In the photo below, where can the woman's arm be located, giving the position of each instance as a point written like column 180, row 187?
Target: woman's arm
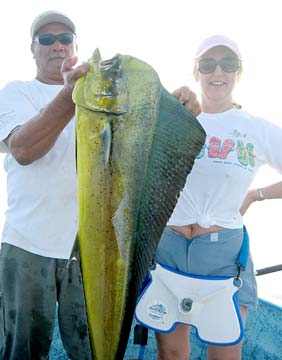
column 273, row 191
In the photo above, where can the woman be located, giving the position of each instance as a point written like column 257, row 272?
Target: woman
column 205, row 232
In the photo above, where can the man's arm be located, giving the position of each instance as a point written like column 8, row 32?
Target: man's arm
column 32, row 140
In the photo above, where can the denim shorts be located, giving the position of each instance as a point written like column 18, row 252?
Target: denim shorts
column 211, row 254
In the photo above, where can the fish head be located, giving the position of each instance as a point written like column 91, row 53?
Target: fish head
column 103, row 88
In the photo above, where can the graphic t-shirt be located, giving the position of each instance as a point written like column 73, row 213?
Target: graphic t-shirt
column 237, row 145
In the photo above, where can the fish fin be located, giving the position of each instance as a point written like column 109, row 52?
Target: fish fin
column 96, row 56
column 106, row 137
column 178, row 139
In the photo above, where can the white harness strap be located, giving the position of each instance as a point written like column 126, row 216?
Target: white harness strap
column 207, row 303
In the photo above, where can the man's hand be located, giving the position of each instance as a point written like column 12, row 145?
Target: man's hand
column 189, row 99
column 71, row 74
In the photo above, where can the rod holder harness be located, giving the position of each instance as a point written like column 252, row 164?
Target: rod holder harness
column 169, row 297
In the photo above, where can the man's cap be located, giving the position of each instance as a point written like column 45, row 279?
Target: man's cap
column 48, row 17
column 217, row 40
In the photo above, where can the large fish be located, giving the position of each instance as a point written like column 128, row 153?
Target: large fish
column 136, row 144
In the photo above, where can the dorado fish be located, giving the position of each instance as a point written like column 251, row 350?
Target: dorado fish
column 136, row 144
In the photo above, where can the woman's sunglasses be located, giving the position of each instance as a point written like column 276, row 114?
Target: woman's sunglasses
column 227, row 64
column 49, row 39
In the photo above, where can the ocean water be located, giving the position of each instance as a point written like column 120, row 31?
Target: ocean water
column 263, row 222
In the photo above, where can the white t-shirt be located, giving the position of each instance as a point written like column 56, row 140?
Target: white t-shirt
column 41, row 216
column 237, row 145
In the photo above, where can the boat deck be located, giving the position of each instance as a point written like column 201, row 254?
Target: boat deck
column 263, row 338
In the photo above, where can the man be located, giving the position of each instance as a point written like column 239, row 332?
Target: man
column 37, row 135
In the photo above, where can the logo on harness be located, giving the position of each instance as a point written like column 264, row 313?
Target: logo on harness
column 157, row 311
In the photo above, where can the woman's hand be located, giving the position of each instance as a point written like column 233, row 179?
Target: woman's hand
column 189, row 99
column 252, row 196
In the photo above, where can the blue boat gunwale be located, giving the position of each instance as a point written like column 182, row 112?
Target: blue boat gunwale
column 271, row 304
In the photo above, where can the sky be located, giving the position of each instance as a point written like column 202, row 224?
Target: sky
column 166, row 34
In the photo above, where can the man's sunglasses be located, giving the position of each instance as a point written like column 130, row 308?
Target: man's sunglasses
column 227, row 64
column 49, row 39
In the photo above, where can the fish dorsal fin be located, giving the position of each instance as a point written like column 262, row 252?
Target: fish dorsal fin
column 96, row 56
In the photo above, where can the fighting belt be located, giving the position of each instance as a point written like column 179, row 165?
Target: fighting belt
column 207, row 303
